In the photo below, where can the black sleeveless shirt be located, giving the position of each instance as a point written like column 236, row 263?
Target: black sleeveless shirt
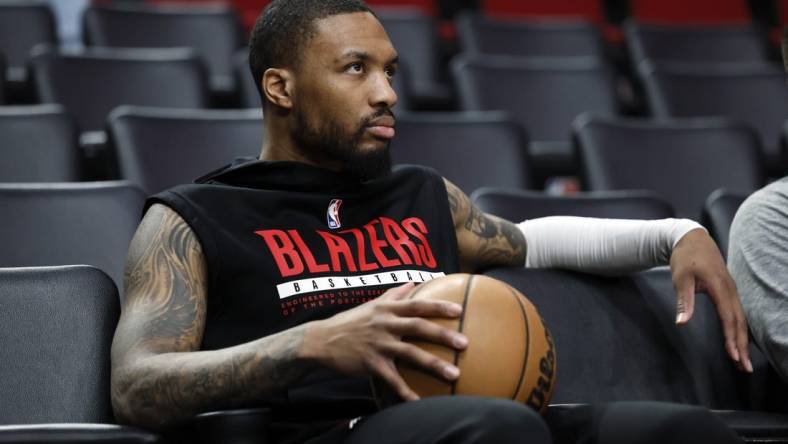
column 288, row 243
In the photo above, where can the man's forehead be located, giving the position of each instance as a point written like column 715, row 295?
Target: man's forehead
column 357, row 32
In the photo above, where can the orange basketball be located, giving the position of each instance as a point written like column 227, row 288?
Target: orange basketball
column 510, row 352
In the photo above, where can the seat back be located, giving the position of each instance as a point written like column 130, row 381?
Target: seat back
column 756, row 95
column 544, row 95
column 697, row 44
column 159, row 148
column 694, row 12
column 586, row 9
column 250, row 96
column 213, row 31
column 616, row 339
column 682, row 161
column 90, row 84
column 483, row 35
column 39, row 144
column 520, row 205
column 23, row 25
column 56, row 327
column 415, row 37
column 718, row 212
column 471, row 149
column 2, row 78
column 69, row 223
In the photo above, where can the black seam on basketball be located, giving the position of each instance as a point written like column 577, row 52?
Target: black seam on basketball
column 527, row 343
column 459, row 328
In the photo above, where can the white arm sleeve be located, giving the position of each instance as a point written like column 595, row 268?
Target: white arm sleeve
column 601, row 246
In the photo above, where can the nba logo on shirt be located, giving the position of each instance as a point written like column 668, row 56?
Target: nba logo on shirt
column 333, row 214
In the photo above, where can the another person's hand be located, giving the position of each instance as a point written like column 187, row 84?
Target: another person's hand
column 367, row 339
column 697, row 266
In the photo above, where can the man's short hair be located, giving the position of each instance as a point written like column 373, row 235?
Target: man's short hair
column 285, row 26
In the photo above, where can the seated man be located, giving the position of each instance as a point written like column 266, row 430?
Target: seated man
column 279, row 281
column 758, row 262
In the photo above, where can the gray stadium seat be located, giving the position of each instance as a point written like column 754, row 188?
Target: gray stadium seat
column 718, row 212
column 616, row 340
column 213, row 31
column 69, row 223
column 472, row 149
column 543, row 95
column 23, row 25
column 520, row 205
column 90, row 84
column 38, row 144
column 159, row 148
column 483, row 35
column 56, row 328
column 414, row 36
column 681, row 160
column 696, row 44
column 756, row 95
column 2, row 78
column 250, row 97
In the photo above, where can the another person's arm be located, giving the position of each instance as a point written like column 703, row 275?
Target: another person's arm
column 159, row 376
column 606, row 246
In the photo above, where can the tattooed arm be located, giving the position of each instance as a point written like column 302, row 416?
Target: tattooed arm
column 158, row 376
column 483, row 240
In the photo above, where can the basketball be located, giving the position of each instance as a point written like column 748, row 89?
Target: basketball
column 510, row 352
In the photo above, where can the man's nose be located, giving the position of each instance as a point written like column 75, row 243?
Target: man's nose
column 383, row 93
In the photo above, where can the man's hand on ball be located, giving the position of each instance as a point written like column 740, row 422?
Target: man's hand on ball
column 697, row 266
column 368, row 339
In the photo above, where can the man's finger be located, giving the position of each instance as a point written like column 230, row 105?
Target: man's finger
column 734, row 324
column 426, row 330
column 398, row 293
column 426, row 308
column 685, row 299
column 422, row 359
column 386, row 370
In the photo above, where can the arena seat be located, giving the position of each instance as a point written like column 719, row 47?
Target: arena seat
column 718, row 212
column 470, row 149
column 616, row 340
column 56, row 328
column 248, row 93
column 484, row 35
column 682, row 160
column 39, row 144
column 415, row 37
column 88, row 223
column 543, row 95
column 753, row 94
column 160, row 148
column 696, row 44
column 90, row 84
column 23, row 25
column 213, row 31
column 520, row 205
column 694, row 12
column 2, row 78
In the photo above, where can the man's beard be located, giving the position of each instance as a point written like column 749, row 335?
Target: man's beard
column 329, row 143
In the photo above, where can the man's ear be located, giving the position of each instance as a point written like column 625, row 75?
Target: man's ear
column 278, row 87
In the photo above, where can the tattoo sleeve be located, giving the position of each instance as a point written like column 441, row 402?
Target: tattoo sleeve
column 158, row 374
column 484, row 241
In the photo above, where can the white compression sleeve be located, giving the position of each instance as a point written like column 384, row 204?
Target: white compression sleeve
column 601, row 246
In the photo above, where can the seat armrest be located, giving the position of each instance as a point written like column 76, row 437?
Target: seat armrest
column 75, row 433
column 240, row 426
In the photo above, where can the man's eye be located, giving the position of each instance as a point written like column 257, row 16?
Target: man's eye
column 391, row 71
column 355, row 68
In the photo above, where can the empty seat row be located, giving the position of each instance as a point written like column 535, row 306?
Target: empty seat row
column 681, row 160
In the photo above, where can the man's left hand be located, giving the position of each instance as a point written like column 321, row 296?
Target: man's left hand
column 697, row 266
